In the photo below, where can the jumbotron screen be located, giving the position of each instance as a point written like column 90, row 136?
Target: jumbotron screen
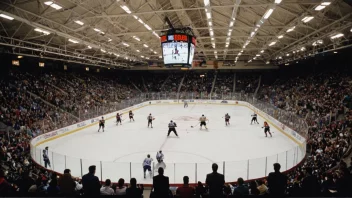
column 178, row 49
column 175, row 53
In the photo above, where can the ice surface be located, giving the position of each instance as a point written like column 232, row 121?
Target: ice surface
column 241, row 149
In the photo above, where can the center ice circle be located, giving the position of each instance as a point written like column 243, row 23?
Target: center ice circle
column 241, row 148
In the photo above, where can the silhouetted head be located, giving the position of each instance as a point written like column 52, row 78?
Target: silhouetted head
column 161, row 171
column 133, row 182
column 214, row 167
column 277, row 167
column 92, row 169
column 185, row 180
column 240, row 181
column 107, row 182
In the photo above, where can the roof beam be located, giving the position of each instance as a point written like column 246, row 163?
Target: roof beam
column 308, row 2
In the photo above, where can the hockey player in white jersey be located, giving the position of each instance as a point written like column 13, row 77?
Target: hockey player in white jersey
column 185, row 104
column 160, row 159
column 147, row 166
column 203, row 120
column 150, row 120
column 160, row 156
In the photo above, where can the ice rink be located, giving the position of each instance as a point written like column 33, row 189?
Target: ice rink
column 242, row 149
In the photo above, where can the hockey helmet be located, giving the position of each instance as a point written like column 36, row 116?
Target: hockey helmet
column 203, row 115
column 171, row 121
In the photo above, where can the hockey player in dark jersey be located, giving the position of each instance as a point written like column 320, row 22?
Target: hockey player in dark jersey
column 172, row 128
column 227, row 119
column 254, row 118
column 118, row 119
column 267, row 129
column 101, row 124
column 185, row 104
column 150, row 120
column 130, row 114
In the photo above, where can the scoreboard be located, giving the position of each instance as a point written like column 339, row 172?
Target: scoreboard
column 178, row 49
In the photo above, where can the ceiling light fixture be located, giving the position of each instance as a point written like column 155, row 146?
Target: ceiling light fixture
column 319, row 7
column 272, row 43
column 337, row 36
column 53, row 5
column 291, row 29
column 136, row 38
column 268, row 13
column 79, row 22
column 73, row 41
column 126, row 9
column 42, row 31
column 307, row 19
column 6, row 17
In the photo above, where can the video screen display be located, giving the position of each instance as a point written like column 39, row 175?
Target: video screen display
column 175, row 53
column 191, row 53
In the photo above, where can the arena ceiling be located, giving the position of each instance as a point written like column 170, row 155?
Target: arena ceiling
column 125, row 32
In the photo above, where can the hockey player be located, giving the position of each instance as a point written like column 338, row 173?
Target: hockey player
column 202, row 120
column 227, row 119
column 131, row 116
column 160, row 159
column 185, row 104
column 266, row 129
column 160, row 156
column 147, row 166
column 150, row 120
column 118, row 119
column 172, row 127
column 46, row 157
column 254, row 118
column 101, row 124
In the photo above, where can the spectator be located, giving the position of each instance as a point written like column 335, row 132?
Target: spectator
column 254, row 188
column 295, row 190
column 37, row 189
column 121, row 189
column 53, row 188
column 277, row 182
column 5, row 188
column 215, row 181
column 161, row 185
column 200, row 190
column 310, row 185
column 185, row 191
column 66, row 183
column 262, row 187
column 91, row 184
column 106, row 189
column 133, row 191
column 25, row 183
column 328, row 185
column 241, row 189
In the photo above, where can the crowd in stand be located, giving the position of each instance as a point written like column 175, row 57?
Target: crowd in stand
column 324, row 101
column 224, row 83
column 34, row 104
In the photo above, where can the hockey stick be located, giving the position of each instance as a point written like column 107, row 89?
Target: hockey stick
column 195, row 124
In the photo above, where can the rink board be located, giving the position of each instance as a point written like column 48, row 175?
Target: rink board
column 194, row 171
